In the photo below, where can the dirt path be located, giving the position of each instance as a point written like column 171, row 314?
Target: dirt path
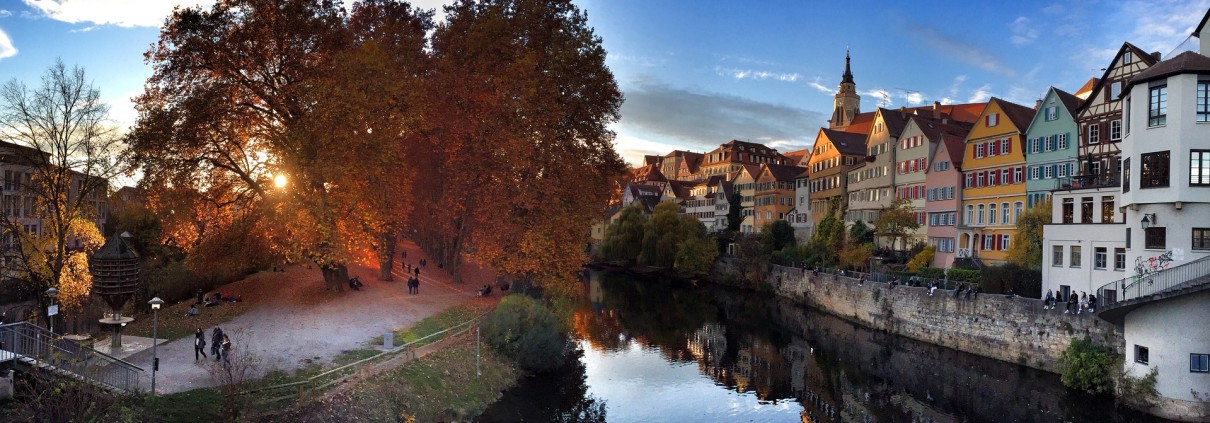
column 293, row 323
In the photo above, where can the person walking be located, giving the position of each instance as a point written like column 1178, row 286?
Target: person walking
column 416, row 285
column 226, row 351
column 199, row 344
column 216, row 340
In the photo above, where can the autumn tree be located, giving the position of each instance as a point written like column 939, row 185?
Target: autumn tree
column 522, row 155
column 65, row 148
column 230, row 105
column 827, row 240
column 895, row 222
column 1026, row 248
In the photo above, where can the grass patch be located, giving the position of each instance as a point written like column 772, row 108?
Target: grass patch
column 446, row 319
column 198, row 405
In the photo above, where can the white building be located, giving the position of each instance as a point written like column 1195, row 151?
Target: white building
column 1085, row 246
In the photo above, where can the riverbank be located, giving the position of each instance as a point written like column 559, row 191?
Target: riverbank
column 1012, row 329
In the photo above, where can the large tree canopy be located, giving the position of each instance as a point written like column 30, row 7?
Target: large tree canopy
column 483, row 137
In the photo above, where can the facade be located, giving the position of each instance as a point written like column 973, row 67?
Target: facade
column 1085, row 245
column 801, row 215
column 723, row 192
column 943, row 204
column 774, row 193
column 834, row 154
column 1100, row 117
column 914, row 158
column 728, row 158
column 681, row 165
column 1050, row 147
column 745, row 188
column 870, row 185
column 701, row 202
column 994, row 185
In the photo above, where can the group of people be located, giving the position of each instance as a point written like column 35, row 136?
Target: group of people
column 213, row 300
column 1075, row 303
column 220, row 345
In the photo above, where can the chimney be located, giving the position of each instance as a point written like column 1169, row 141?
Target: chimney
column 1156, row 55
column 937, row 110
column 1037, row 104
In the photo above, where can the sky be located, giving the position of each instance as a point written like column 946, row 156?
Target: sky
column 696, row 74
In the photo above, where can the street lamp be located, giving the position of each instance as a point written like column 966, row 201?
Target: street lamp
column 51, row 310
column 1148, row 220
column 155, row 358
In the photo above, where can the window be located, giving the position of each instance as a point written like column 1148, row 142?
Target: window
column 1033, row 145
column 1141, row 354
column 1018, row 208
column 1004, row 241
column 987, row 243
column 979, row 216
column 1115, row 90
column 1115, row 130
column 1052, row 113
column 979, row 151
column 1107, row 209
column 1203, row 101
column 1061, row 144
column 1004, row 209
column 1058, row 255
column 1126, row 175
column 1157, row 106
column 993, row 149
column 1119, row 259
column 1094, row 133
column 1075, row 256
column 1198, row 363
column 1048, row 172
column 1017, row 172
column 970, row 214
column 1034, row 173
column 991, row 214
column 1062, row 171
column 1155, row 238
column 1199, row 167
column 1201, row 238
column 1126, row 115
column 1155, row 170
column 1068, row 210
column 1100, row 257
column 1086, row 210
column 993, row 119
column 1006, row 146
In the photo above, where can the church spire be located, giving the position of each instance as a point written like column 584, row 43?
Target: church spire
column 848, row 74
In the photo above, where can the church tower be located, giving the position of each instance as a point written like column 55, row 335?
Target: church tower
column 846, row 104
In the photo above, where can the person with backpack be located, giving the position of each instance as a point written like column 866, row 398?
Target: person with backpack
column 199, row 344
column 216, row 339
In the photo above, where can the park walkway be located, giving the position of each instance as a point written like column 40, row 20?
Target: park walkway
column 293, row 323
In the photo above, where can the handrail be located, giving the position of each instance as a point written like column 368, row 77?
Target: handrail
column 43, row 348
column 1137, row 286
column 317, row 381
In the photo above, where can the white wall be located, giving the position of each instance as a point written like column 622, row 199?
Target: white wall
column 1171, row 330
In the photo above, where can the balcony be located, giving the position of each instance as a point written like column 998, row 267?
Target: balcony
column 1104, row 180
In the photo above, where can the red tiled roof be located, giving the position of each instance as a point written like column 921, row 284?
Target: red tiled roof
column 784, row 173
column 1021, row 116
column 955, row 146
column 847, row 143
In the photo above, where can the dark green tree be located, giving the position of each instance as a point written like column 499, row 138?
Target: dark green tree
column 1026, row 248
column 735, row 212
column 777, row 235
column 860, row 233
column 624, row 238
column 827, row 240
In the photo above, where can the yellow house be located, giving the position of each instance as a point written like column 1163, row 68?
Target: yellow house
column 993, row 194
column 745, row 187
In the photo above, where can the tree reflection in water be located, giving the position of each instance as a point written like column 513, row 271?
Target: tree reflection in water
column 757, row 344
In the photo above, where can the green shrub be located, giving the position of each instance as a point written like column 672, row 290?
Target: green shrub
column 1088, row 367
column 528, row 332
column 964, row 275
column 931, row 272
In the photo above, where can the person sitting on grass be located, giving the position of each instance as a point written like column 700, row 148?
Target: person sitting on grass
column 192, row 311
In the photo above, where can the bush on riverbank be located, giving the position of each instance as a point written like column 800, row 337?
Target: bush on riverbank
column 1088, row 367
column 523, row 329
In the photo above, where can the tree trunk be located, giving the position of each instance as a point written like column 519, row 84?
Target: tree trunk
column 335, row 276
column 386, row 256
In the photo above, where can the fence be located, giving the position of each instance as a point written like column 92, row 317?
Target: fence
column 311, row 386
column 1172, row 278
column 34, row 346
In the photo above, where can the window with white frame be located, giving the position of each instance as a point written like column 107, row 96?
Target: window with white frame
column 1119, row 259
column 1115, row 130
column 993, row 119
column 1034, row 173
column 1056, row 256
column 979, row 216
column 1033, row 145
column 1048, row 172
column 1075, row 256
column 1203, row 101
column 1005, row 241
column 970, row 214
column 991, row 214
column 1004, row 210
column 979, row 150
column 1094, row 133
column 1100, row 258
column 1062, row 170
column 1052, row 113
column 1061, row 144
column 1157, row 106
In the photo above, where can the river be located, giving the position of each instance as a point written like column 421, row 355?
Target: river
column 665, row 351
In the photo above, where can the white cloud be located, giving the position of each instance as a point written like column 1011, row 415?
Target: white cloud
column 820, row 87
column 123, row 13
column 6, row 46
column 5, row 13
column 1161, row 25
column 633, row 148
column 882, row 96
column 84, row 29
column 121, row 109
column 757, row 74
column 981, row 94
column 914, row 97
column 1023, row 31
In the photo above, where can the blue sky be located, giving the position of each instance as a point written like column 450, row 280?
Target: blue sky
column 699, row 73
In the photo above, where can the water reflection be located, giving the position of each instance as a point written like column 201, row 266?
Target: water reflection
column 664, row 351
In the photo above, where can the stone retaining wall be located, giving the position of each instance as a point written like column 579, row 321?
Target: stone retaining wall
column 1016, row 330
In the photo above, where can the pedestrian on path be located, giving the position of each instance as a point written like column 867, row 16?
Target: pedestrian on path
column 417, row 272
column 199, row 345
column 216, row 340
column 226, row 349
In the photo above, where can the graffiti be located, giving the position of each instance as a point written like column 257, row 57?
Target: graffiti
column 1147, row 266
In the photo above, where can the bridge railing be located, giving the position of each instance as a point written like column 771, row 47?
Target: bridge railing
column 1152, row 283
column 42, row 347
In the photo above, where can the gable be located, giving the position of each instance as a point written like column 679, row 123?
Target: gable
column 1129, row 61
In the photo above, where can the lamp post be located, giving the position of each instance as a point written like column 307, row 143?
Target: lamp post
column 155, row 358
column 51, row 310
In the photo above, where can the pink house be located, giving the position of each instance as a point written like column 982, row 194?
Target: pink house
column 943, row 180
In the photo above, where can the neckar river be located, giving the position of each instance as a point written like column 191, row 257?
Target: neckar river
column 664, row 351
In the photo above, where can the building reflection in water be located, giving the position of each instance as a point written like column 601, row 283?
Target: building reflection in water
column 836, row 372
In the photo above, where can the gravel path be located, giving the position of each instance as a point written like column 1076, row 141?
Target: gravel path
column 293, row 323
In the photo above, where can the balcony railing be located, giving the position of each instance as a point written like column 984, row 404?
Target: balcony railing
column 1104, row 180
column 1172, row 278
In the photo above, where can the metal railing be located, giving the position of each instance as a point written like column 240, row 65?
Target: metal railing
column 311, row 386
column 1173, row 278
column 1104, row 180
column 36, row 347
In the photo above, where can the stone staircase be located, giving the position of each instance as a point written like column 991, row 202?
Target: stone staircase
column 26, row 347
